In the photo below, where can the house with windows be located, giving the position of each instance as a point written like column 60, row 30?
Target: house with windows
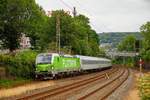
column 24, row 42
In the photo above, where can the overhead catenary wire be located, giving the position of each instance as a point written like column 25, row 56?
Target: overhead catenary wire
column 81, row 6
column 67, row 5
column 87, row 13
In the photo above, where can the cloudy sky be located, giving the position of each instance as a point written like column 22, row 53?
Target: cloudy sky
column 106, row 15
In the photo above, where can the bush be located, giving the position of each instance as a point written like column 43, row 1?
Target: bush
column 146, row 55
column 127, row 61
column 144, row 87
column 7, row 83
column 20, row 65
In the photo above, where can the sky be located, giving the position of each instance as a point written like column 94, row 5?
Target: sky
column 106, row 15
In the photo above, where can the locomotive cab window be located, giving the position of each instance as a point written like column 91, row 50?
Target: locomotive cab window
column 43, row 59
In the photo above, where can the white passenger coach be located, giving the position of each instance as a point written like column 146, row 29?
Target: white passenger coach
column 89, row 63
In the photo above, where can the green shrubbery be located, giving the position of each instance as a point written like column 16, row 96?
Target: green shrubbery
column 20, row 64
column 144, row 87
column 7, row 83
column 128, row 61
column 146, row 55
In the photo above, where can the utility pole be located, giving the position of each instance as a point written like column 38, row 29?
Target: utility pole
column 141, row 62
column 58, row 34
column 87, row 39
column 74, row 11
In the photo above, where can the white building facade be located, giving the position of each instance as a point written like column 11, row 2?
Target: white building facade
column 25, row 42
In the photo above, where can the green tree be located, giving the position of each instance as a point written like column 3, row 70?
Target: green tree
column 17, row 17
column 88, row 39
column 75, row 34
column 36, row 25
column 145, row 30
column 50, row 35
column 127, row 44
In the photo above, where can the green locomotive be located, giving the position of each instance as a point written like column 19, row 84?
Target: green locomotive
column 51, row 65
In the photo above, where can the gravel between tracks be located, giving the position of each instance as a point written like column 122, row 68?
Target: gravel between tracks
column 39, row 87
column 75, row 93
column 121, row 92
column 62, row 96
column 92, row 88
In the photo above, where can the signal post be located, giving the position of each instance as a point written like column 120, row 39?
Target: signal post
column 141, row 62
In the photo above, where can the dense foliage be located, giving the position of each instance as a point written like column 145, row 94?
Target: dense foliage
column 7, row 83
column 144, row 87
column 145, row 30
column 15, row 16
column 20, row 65
column 25, row 16
column 127, row 44
column 19, row 17
column 116, row 37
column 76, row 34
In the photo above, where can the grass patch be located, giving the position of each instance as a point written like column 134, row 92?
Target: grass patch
column 144, row 87
column 7, row 83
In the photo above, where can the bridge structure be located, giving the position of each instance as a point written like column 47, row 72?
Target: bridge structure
column 114, row 54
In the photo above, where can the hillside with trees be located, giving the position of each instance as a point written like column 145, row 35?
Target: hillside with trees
column 127, row 44
column 116, row 37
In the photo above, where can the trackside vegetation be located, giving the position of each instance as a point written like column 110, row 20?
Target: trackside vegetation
column 19, row 17
column 19, row 65
column 131, row 44
column 145, row 30
column 144, row 87
column 127, row 61
column 7, row 83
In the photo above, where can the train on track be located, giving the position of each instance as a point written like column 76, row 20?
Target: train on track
column 51, row 65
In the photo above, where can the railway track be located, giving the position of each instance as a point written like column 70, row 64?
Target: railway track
column 105, row 90
column 68, row 87
column 101, row 92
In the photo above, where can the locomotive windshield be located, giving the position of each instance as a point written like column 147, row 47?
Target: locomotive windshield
column 43, row 59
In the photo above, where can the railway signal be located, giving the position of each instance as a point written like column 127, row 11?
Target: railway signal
column 141, row 62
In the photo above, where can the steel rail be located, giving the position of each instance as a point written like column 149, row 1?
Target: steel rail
column 117, row 86
column 68, row 87
column 105, row 85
